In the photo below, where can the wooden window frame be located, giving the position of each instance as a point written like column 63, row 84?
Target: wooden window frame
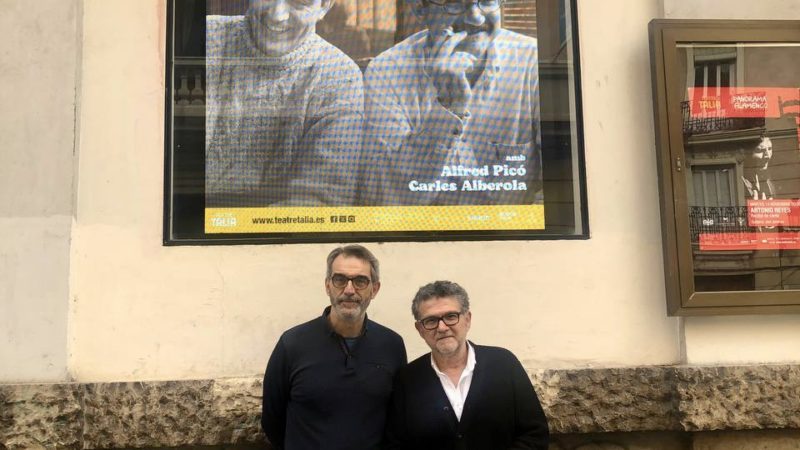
column 665, row 34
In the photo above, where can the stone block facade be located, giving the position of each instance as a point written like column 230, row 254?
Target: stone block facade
column 658, row 408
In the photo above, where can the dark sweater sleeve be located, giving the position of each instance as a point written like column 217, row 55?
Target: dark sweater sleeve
column 530, row 424
column 276, row 396
column 402, row 351
column 396, row 428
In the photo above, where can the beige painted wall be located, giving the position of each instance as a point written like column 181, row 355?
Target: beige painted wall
column 138, row 310
column 144, row 311
column 38, row 54
column 740, row 339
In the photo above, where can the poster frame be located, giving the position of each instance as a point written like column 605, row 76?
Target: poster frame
column 682, row 299
column 173, row 208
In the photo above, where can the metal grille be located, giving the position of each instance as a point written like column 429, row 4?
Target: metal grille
column 719, row 219
column 704, row 125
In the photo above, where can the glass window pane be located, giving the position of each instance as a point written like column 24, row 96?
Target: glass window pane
column 741, row 141
column 259, row 151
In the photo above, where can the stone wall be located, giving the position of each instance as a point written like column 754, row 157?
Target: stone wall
column 661, row 408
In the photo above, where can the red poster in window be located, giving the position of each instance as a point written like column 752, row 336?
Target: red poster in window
column 773, row 213
column 740, row 101
column 750, row 241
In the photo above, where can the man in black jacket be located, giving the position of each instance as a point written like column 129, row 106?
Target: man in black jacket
column 328, row 381
column 461, row 395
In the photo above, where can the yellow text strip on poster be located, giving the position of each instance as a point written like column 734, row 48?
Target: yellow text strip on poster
column 371, row 219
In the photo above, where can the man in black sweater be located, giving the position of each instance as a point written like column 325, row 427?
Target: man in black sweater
column 328, row 381
column 461, row 395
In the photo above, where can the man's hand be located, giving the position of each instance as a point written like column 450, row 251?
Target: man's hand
column 448, row 71
column 754, row 189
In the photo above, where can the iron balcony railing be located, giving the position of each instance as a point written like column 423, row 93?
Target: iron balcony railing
column 705, row 125
column 717, row 219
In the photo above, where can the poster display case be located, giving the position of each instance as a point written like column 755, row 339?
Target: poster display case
column 362, row 120
column 727, row 116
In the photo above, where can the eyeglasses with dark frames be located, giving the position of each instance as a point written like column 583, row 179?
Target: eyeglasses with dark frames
column 432, row 323
column 458, row 7
column 359, row 281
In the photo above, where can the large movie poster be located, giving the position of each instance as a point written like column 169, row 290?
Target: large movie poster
column 352, row 116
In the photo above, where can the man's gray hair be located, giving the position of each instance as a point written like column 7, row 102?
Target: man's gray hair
column 439, row 289
column 356, row 251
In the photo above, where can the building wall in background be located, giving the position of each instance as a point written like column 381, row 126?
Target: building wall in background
column 38, row 61
column 140, row 311
column 739, row 339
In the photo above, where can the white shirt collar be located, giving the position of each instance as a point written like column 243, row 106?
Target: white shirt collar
column 457, row 394
column 469, row 368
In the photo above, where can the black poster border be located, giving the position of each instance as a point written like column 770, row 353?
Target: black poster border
column 190, row 208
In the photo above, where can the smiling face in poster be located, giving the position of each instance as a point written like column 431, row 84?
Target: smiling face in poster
column 281, row 26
